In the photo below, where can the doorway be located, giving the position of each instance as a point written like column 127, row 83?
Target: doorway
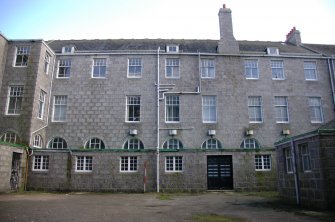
column 220, row 172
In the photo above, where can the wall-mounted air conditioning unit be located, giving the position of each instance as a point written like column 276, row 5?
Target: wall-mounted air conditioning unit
column 211, row 132
column 133, row 132
column 249, row 132
column 286, row 132
column 172, row 132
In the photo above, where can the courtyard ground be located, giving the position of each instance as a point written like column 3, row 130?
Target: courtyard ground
column 211, row 206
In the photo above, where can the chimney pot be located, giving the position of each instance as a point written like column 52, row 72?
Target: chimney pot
column 224, row 5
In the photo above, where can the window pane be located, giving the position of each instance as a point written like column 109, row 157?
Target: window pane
column 209, row 109
column 133, row 108
column 255, row 109
column 172, row 108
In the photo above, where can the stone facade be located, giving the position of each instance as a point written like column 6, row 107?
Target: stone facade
column 313, row 186
column 12, row 168
column 95, row 109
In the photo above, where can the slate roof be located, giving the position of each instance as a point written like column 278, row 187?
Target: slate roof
column 326, row 129
column 325, row 49
column 192, row 46
column 185, row 45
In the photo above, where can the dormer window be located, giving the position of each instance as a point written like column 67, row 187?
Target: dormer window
column 172, row 48
column 68, row 49
column 272, row 51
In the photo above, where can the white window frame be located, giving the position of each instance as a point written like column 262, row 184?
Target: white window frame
column 277, row 66
column 250, row 143
column 251, row 66
column 253, row 107
column 281, row 109
column 207, row 68
column 128, row 164
column 57, row 143
column 84, row 164
column 47, row 59
column 172, row 109
column 37, row 142
column 308, row 66
column 99, row 65
column 15, row 94
column 41, row 105
column 174, row 164
column 133, row 105
column 133, row 144
column 95, row 143
column 315, row 108
column 209, row 105
column 172, row 48
column 305, row 157
column 172, row 64
column 173, row 144
column 67, row 49
column 272, row 51
column 61, row 104
column 135, row 63
column 64, row 64
column 9, row 137
column 23, row 53
column 263, row 162
column 41, row 163
column 288, row 160
column 211, row 144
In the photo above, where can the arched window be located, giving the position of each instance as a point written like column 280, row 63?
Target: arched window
column 250, row 143
column 95, row 143
column 37, row 141
column 173, row 144
column 133, row 144
column 10, row 137
column 57, row 143
column 212, row 144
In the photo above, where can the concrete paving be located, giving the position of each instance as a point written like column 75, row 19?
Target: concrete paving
column 35, row 207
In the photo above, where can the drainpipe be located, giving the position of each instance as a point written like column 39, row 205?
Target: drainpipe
column 331, row 73
column 158, row 86
column 295, row 172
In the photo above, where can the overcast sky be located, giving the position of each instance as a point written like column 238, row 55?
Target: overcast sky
column 266, row 20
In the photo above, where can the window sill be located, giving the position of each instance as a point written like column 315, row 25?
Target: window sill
column 280, row 122
column 83, row 172
column 13, row 115
column 128, row 172
column 173, row 172
column 136, row 122
column 278, row 79
column 263, row 170
column 252, row 78
column 20, row 66
column 134, row 77
column 40, row 171
column 98, row 77
column 311, row 80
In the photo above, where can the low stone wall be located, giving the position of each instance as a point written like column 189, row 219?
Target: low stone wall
column 106, row 175
column 7, row 152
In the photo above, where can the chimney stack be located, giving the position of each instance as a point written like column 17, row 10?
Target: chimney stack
column 293, row 37
column 227, row 43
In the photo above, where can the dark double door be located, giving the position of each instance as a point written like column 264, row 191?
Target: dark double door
column 219, row 172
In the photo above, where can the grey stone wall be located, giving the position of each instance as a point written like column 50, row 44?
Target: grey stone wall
column 3, row 56
column 316, row 188
column 106, row 175
column 6, row 156
column 25, row 76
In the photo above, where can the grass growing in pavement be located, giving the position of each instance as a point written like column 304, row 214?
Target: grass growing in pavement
column 164, row 197
column 217, row 218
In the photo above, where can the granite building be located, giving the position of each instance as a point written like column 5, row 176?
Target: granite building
column 160, row 114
